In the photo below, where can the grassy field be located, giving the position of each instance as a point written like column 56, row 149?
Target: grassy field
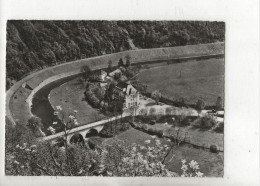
column 211, row 164
column 71, row 97
column 190, row 80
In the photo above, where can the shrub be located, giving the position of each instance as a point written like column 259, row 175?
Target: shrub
column 145, row 119
column 165, row 118
column 159, row 133
column 145, row 127
column 204, row 123
column 213, row 148
column 220, row 128
column 152, row 122
column 207, row 122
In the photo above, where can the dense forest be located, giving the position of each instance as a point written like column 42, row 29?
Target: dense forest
column 32, row 45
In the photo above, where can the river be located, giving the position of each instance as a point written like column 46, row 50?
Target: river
column 41, row 106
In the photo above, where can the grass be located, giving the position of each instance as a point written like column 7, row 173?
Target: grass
column 211, row 164
column 203, row 79
column 71, row 97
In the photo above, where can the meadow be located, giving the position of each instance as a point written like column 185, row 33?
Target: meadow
column 189, row 80
column 70, row 96
column 211, row 164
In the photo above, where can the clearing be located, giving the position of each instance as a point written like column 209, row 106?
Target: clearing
column 190, row 80
column 70, row 96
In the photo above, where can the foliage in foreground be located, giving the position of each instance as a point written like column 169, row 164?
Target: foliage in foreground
column 27, row 156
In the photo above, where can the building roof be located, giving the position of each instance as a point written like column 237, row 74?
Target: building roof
column 114, row 72
column 122, row 85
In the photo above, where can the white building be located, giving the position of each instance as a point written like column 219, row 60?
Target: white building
column 127, row 93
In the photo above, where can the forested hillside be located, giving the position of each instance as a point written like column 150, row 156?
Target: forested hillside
column 32, row 45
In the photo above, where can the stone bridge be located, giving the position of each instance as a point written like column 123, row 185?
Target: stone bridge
column 79, row 133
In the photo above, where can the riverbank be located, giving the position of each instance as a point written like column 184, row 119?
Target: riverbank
column 18, row 110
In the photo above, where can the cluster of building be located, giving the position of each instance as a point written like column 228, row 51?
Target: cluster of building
column 122, row 91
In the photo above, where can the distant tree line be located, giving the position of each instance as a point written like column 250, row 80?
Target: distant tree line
column 32, row 45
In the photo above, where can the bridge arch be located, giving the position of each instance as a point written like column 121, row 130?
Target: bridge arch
column 76, row 138
column 92, row 132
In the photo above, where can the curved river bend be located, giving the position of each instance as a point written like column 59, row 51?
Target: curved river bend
column 41, row 105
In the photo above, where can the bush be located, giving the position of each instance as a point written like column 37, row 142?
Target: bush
column 166, row 118
column 213, row 148
column 207, row 122
column 145, row 119
column 220, row 128
column 204, row 123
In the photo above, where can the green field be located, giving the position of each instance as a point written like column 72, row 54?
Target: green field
column 190, row 80
column 211, row 164
column 70, row 96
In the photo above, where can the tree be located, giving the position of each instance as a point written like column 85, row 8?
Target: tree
column 120, row 63
column 86, row 70
column 200, row 105
column 218, row 103
column 157, row 95
column 35, row 124
column 128, row 58
column 109, row 68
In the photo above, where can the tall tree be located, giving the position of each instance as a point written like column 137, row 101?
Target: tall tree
column 86, row 70
column 128, row 62
column 120, row 63
column 200, row 105
column 157, row 95
column 109, row 68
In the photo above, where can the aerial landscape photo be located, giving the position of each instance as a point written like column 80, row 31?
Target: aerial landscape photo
column 115, row 98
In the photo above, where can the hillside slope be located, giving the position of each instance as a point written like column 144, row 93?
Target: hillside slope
column 32, row 45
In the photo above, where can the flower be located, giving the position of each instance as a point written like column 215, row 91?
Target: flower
column 71, row 117
column 194, row 165
column 55, row 123
column 199, row 174
column 184, row 167
column 75, row 111
column 147, row 141
column 17, row 146
column 59, row 108
column 183, row 161
column 55, row 113
column 51, row 129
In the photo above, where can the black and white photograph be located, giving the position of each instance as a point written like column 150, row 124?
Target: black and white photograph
column 127, row 98
column 115, row 98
